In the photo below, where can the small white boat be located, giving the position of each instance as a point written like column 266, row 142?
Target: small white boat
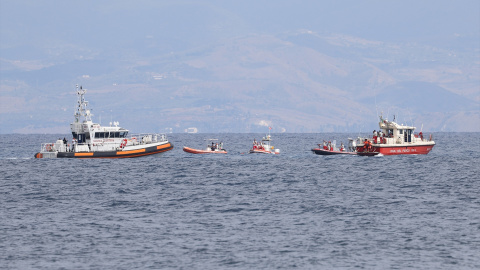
column 264, row 147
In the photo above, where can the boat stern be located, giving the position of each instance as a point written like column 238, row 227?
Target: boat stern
column 46, row 155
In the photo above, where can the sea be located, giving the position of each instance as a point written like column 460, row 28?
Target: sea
column 295, row 210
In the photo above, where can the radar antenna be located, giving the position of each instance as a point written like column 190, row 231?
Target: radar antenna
column 82, row 106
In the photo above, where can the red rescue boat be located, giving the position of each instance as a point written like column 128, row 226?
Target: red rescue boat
column 328, row 149
column 394, row 139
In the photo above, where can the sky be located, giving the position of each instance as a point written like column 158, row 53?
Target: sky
column 114, row 22
column 37, row 35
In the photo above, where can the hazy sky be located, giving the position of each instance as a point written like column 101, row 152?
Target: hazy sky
column 100, row 23
column 43, row 44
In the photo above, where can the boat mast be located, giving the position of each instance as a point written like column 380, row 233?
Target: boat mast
column 82, row 105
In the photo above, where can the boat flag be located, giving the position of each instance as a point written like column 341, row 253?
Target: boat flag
column 269, row 127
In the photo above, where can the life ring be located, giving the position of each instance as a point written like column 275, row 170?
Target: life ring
column 48, row 147
column 123, row 143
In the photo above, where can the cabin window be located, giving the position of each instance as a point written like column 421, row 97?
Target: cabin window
column 123, row 134
column 400, row 131
column 81, row 138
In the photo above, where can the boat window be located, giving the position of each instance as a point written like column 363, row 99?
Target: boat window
column 400, row 131
column 122, row 134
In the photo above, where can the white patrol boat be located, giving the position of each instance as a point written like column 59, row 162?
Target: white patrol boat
column 91, row 140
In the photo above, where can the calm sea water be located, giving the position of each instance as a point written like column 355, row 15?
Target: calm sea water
column 240, row 211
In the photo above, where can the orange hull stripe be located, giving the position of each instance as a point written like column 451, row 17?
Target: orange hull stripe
column 84, row 154
column 139, row 155
column 163, row 146
column 131, row 152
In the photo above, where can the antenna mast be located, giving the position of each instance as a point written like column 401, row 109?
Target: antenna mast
column 82, row 104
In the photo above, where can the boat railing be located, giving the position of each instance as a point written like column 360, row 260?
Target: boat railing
column 58, row 146
column 394, row 140
column 48, row 147
column 146, row 138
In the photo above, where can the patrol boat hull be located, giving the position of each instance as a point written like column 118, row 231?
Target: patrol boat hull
column 398, row 150
column 151, row 150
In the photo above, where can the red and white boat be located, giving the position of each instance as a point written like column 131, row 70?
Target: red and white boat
column 264, row 147
column 214, row 148
column 394, row 139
